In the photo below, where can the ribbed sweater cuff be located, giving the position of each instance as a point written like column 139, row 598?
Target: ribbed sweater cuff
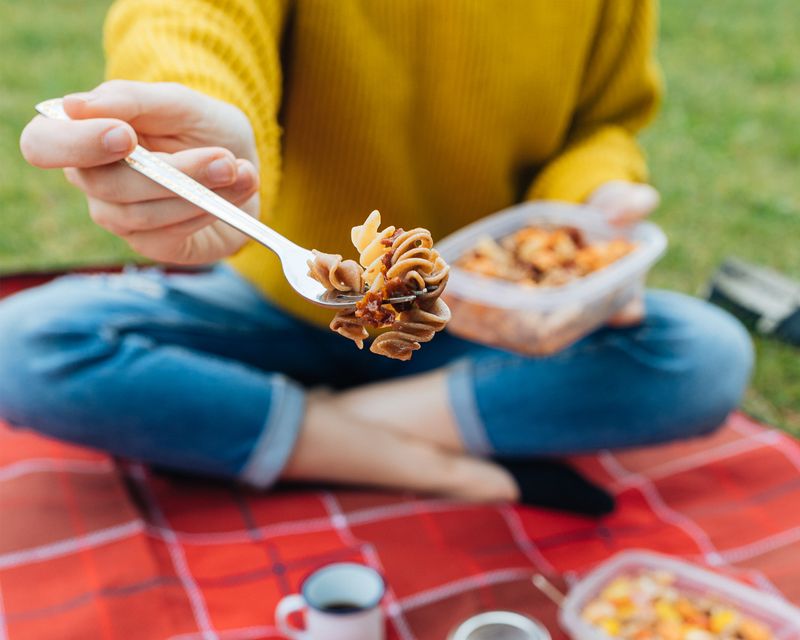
column 608, row 153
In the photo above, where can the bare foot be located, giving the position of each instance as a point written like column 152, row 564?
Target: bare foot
column 335, row 447
column 416, row 406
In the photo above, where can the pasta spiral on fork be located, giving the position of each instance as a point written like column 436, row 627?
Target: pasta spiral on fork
column 412, row 327
column 412, row 258
column 393, row 262
column 371, row 245
column 346, row 324
column 334, row 273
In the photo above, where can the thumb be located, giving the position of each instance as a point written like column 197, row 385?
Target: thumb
column 154, row 108
column 625, row 202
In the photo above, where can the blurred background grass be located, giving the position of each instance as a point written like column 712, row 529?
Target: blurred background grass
column 725, row 152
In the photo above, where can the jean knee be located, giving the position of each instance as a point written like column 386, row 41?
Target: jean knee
column 15, row 345
column 38, row 336
column 724, row 362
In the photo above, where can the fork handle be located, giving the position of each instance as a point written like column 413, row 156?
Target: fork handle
column 179, row 183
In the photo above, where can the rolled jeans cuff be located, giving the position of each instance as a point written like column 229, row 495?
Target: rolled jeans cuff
column 461, row 389
column 277, row 440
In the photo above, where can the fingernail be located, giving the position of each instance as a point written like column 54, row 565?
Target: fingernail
column 83, row 96
column 117, row 140
column 244, row 176
column 221, row 171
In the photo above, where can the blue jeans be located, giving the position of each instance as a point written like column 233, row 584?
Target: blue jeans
column 201, row 374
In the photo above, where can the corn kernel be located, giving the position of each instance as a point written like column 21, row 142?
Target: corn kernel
column 721, row 619
column 610, row 626
column 666, row 611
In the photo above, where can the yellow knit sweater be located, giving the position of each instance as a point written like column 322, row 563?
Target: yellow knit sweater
column 436, row 112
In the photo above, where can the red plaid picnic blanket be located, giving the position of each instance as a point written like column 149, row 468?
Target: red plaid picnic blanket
column 91, row 548
column 94, row 548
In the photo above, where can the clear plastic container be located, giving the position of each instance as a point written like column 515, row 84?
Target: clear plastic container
column 781, row 617
column 543, row 320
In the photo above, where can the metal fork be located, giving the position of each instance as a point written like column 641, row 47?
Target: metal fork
column 293, row 258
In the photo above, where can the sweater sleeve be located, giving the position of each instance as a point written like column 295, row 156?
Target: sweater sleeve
column 620, row 92
column 228, row 49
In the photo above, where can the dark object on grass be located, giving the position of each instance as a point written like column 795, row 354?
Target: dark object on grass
column 764, row 300
column 553, row 484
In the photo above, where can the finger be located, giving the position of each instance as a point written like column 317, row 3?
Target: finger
column 48, row 143
column 157, row 108
column 640, row 201
column 213, row 167
column 125, row 219
column 631, row 314
column 169, row 244
column 624, row 202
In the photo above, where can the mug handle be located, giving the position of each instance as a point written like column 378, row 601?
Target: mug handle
column 286, row 607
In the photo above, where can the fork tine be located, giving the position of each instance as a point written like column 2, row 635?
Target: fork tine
column 345, row 297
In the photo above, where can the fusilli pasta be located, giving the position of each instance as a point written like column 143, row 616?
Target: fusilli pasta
column 334, row 273
column 346, row 324
column 542, row 257
column 393, row 262
column 411, row 328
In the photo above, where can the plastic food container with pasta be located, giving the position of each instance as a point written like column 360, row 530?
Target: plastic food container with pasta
column 540, row 321
column 781, row 618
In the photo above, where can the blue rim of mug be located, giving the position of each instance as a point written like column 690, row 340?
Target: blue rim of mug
column 360, row 609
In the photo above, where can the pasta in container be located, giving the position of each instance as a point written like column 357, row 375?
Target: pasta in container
column 537, row 318
column 392, row 262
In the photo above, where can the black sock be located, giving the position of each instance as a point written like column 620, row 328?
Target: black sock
column 553, row 484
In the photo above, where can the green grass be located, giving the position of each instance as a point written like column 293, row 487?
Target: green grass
column 725, row 151
column 47, row 49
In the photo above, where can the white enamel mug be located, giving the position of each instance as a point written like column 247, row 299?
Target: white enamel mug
column 340, row 601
